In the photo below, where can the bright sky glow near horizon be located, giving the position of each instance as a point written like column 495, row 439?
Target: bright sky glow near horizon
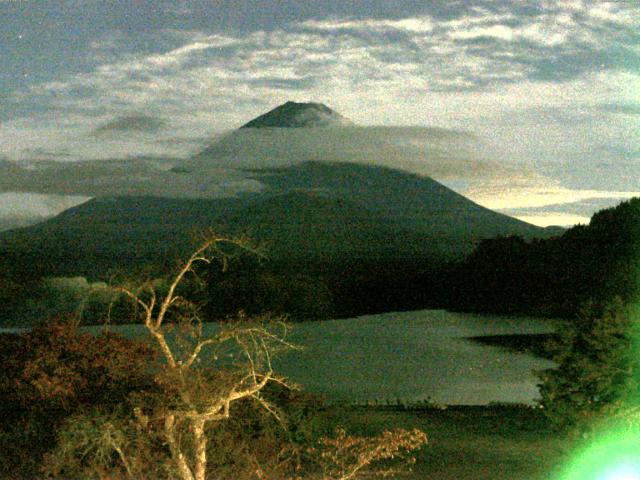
column 551, row 89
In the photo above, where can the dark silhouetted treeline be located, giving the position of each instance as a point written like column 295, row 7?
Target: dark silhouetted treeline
column 299, row 290
column 504, row 275
column 322, row 290
column 553, row 277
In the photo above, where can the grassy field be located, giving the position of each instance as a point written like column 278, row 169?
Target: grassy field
column 479, row 443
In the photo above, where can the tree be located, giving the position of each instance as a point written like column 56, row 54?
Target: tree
column 555, row 276
column 261, row 289
column 597, row 367
column 205, row 383
column 203, row 395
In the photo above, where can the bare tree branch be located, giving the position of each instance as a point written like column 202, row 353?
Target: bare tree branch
column 255, row 343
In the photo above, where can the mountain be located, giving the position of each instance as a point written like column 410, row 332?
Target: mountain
column 298, row 115
column 315, row 211
column 290, row 133
column 398, row 198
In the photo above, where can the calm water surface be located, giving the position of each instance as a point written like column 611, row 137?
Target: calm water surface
column 413, row 356
column 410, row 356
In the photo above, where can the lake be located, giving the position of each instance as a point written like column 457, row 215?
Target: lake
column 412, row 356
column 409, row 356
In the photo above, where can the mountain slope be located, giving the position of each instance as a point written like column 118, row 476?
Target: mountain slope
column 411, row 201
column 311, row 211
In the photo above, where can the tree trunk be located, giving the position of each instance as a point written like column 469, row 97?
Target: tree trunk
column 201, row 449
column 176, row 453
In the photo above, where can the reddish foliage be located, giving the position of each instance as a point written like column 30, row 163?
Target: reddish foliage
column 53, row 372
column 69, row 367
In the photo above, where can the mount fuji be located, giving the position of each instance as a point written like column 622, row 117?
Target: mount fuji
column 307, row 210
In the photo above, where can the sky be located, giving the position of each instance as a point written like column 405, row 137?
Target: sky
column 541, row 99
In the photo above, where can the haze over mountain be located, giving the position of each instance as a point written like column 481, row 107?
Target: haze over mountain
column 294, row 133
column 218, row 168
column 309, row 210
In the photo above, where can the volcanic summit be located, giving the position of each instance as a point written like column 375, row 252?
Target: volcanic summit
column 298, row 115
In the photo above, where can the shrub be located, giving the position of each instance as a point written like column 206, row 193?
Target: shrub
column 53, row 372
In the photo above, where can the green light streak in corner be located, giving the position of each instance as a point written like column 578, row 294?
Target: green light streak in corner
column 613, row 452
column 614, row 456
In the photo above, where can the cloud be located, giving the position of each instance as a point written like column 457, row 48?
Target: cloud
column 19, row 204
column 422, row 24
column 440, row 153
column 580, row 210
column 554, row 82
column 22, row 209
column 622, row 108
column 549, row 31
column 531, row 194
column 612, row 12
column 179, row 9
column 496, row 31
column 476, row 50
column 141, row 176
column 218, row 170
column 548, row 219
column 542, row 201
column 136, row 123
column 78, row 137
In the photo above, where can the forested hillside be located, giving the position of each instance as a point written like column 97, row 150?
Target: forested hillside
column 554, row 276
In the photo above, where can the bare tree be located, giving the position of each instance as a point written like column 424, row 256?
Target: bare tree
column 201, row 376
column 244, row 349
